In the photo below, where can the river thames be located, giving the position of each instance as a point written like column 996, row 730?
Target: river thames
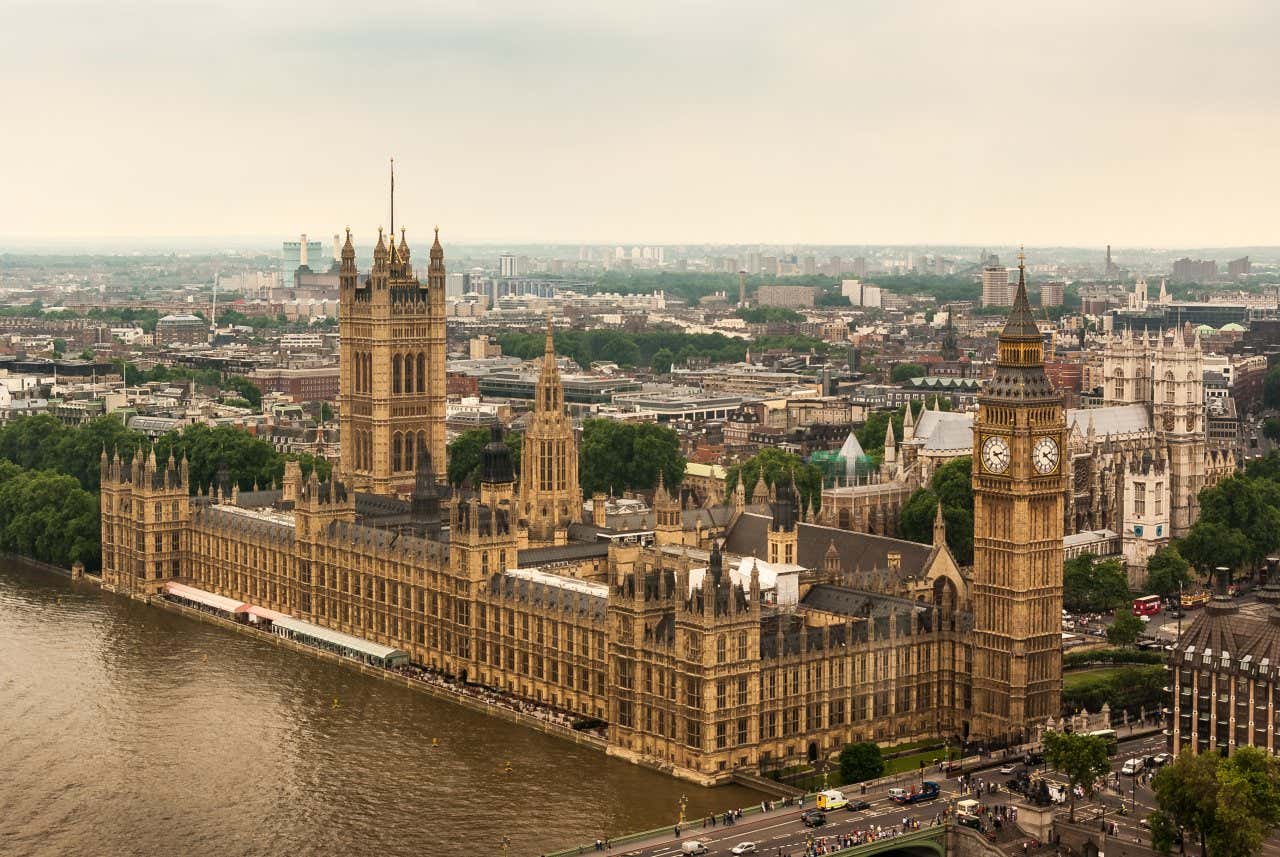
column 129, row 730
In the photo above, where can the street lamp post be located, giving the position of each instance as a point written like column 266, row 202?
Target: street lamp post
column 683, row 802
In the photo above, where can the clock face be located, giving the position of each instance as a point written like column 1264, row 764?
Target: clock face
column 995, row 455
column 1044, row 455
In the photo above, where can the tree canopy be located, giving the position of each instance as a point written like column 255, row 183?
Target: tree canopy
column 465, row 450
column 48, row 516
column 1082, row 758
column 767, row 314
column 861, row 762
column 1167, row 572
column 1230, row 806
column 1094, row 587
column 953, row 485
column 905, row 372
column 775, row 464
column 617, row 456
column 1124, row 629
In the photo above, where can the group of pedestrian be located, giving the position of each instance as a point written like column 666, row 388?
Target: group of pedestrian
column 727, row 819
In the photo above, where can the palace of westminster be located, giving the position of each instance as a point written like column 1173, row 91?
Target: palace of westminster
column 738, row 635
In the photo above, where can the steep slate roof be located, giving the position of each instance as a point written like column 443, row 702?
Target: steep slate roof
column 750, row 535
column 531, row 557
column 1222, row 630
column 1115, row 419
column 951, row 434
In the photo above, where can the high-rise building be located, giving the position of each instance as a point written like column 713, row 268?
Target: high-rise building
column 392, row 330
column 1051, row 294
column 1187, row 270
column 1018, row 494
column 859, row 267
column 507, row 266
column 810, row 266
column 995, row 286
column 550, row 499
column 1238, row 268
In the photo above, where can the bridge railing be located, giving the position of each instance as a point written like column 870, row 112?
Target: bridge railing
column 933, row 835
column 689, row 826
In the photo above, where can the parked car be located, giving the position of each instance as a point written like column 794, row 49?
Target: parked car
column 743, row 848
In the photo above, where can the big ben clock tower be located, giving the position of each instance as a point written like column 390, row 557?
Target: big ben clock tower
column 1018, row 491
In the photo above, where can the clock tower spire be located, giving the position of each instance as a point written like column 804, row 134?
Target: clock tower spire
column 1019, row 486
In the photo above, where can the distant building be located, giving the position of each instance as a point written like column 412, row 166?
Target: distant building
column 995, row 286
column 860, row 293
column 297, row 254
column 1051, row 294
column 507, row 266
column 184, row 329
column 785, row 296
column 1194, row 270
column 307, row 384
column 1238, row 268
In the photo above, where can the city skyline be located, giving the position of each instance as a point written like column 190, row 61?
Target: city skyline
column 661, row 125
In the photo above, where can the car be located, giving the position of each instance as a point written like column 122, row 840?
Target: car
column 693, row 847
column 1174, row 613
column 1163, row 759
column 1008, row 769
column 743, row 848
column 813, row 818
column 858, row 805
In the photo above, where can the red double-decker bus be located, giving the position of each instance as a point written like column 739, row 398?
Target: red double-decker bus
column 1147, row 605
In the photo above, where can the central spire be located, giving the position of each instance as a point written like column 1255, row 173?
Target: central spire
column 393, row 198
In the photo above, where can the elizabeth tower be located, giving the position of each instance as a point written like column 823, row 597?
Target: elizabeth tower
column 1018, row 492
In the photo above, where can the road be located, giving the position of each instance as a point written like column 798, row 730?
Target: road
column 782, row 831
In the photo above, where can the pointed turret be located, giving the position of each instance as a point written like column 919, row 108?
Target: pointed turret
column 437, row 254
column 890, row 443
column 380, row 252
column 939, row 528
column 908, row 424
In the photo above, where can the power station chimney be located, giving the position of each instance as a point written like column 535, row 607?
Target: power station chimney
column 302, row 253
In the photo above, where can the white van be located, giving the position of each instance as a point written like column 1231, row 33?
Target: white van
column 897, row 793
column 693, row 846
column 1132, row 766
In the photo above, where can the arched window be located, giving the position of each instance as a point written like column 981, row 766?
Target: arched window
column 1169, row 388
column 408, row 373
column 397, row 443
column 1118, row 385
column 395, row 374
column 721, row 648
column 422, row 372
column 410, row 462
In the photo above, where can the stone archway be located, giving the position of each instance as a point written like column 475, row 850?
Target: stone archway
column 813, row 751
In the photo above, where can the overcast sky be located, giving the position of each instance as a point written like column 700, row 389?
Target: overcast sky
column 1148, row 122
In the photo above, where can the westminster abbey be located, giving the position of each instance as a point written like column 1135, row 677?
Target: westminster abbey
column 734, row 636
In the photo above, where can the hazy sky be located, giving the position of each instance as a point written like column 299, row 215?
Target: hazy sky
column 1147, row 122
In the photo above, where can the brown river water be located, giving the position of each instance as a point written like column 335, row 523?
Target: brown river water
column 125, row 729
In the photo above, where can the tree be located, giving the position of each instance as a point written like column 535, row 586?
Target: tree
column 1248, row 802
column 1271, row 388
column 1083, row 758
column 1271, row 429
column 1124, row 629
column 774, row 464
column 1186, row 793
column 59, row 347
column 1167, row 572
column 1247, row 506
column 1210, row 544
column 616, row 456
column 905, row 372
column 465, row 455
column 1091, row 586
column 952, row 484
column 662, row 360
column 248, row 390
column 861, row 762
